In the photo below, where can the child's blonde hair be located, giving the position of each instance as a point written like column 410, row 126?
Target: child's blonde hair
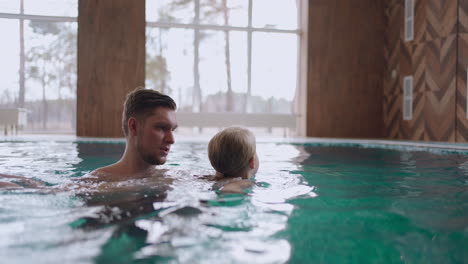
column 231, row 149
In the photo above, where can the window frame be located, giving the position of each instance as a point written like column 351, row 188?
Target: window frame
column 21, row 16
column 299, row 100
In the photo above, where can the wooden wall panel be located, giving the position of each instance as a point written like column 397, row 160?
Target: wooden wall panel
column 420, row 21
column 111, row 62
column 461, row 94
column 392, row 99
column 346, row 68
column 441, row 18
column 431, row 58
column 437, row 59
column 414, row 57
column 462, row 16
column 461, row 134
column 439, row 109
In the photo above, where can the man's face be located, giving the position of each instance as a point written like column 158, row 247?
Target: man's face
column 155, row 135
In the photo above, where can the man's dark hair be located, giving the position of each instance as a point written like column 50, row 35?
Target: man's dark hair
column 140, row 104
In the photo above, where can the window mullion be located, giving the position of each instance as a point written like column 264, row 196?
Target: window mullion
column 22, row 73
column 249, row 61
column 217, row 27
column 38, row 17
column 196, row 93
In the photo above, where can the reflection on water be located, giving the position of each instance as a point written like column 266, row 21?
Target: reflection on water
column 174, row 218
column 309, row 205
column 382, row 206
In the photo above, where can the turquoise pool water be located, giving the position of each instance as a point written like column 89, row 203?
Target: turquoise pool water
column 321, row 203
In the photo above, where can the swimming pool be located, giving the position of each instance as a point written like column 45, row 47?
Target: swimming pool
column 312, row 203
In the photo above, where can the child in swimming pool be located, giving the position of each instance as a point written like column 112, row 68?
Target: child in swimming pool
column 232, row 153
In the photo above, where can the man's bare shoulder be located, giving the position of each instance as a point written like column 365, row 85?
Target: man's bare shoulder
column 106, row 172
column 119, row 172
column 96, row 178
column 103, row 171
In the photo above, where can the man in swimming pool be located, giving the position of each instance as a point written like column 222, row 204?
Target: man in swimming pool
column 148, row 123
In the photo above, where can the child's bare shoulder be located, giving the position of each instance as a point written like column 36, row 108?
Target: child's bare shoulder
column 236, row 186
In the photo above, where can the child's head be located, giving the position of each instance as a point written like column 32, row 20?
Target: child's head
column 232, row 151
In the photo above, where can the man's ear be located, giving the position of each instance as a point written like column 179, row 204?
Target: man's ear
column 132, row 126
column 252, row 162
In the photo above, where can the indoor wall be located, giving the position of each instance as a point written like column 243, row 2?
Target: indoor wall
column 437, row 58
column 357, row 61
column 345, row 68
column 111, row 63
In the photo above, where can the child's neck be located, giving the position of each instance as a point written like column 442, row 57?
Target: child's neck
column 244, row 176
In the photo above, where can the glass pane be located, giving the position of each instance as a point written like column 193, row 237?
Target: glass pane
column 51, row 7
column 170, row 11
column 212, row 12
column 169, row 64
column 238, row 57
column 215, row 69
column 274, row 71
column 9, row 62
column 10, row 6
column 279, row 14
column 51, row 55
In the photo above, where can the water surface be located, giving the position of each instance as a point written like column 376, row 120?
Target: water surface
column 311, row 204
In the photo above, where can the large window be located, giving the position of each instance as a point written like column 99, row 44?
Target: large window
column 38, row 62
column 211, row 56
column 225, row 56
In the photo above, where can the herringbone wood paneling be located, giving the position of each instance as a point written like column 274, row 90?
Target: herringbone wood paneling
column 441, row 18
column 440, row 113
column 439, row 107
column 462, row 60
column 418, row 67
column 418, row 63
column 431, row 59
column 462, row 16
column 406, row 51
column 392, row 108
column 420, row 21
column 461, row 134
column 414, row 56
column 394, row 20
column 414, row 129
column 392, row 84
